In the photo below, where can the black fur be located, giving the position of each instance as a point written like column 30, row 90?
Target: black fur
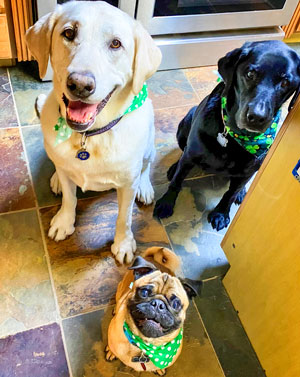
column 252, row 102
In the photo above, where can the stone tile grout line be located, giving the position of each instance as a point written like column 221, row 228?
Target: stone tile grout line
column 59, row 320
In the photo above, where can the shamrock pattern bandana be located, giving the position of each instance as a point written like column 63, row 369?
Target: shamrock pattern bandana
column 161, row 356
column 64, row 131
column 256, row 144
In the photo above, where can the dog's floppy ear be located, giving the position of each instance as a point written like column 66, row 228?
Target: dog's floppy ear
column 192, row 287
column 297, row 92
column 227, row 67
column 294, row 99
column 141, row 267
column 147, row 57
column 38, row 39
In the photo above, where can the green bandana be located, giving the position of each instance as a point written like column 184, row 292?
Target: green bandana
column 161, row 356
column 64, row 131
column 256, row 144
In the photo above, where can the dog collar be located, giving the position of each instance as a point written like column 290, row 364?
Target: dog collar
column 161, row 356
column 64, row 131
column 256, row 144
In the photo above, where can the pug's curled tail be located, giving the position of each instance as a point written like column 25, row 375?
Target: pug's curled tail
column 166, row 258
column 39, row 103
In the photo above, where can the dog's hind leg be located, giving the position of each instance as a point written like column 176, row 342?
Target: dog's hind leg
column 145, row 192
column 55, row 184
column 124, row 244
column 219, row 217
column 164, row 207
column 184, row 128
column 62, row 224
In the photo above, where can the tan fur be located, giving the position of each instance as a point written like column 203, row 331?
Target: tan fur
column 165, row 284
column 121, row 157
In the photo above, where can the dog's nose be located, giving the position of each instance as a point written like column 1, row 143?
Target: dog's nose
column 82, row 84
column 257, row 114
column 158, row 305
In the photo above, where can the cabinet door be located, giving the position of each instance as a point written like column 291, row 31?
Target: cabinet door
column 263, row 249
column 5, row 49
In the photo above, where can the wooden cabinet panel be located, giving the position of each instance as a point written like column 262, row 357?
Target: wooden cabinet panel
column 263, row 248
column 5, row 48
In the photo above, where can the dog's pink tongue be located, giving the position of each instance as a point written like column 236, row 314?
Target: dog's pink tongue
column 81, row 112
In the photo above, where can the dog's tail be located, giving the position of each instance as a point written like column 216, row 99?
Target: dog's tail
column 184, row 128
column 168, row 261
column 39, row 103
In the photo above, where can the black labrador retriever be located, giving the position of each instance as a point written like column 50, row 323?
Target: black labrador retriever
column 257, row 79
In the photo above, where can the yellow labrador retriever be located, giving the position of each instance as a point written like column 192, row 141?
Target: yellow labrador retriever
column 97, row 123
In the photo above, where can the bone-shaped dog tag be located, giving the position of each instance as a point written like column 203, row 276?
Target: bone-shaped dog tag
column 140, row 359
column 221, row 138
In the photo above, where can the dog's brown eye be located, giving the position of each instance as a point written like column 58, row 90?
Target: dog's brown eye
column 144, row 292
column 285, row 83
column 176, row 303
column 69, row 34
column 250, row 75
column 115, row 44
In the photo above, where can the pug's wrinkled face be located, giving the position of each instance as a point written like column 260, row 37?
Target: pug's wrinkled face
column 158, row 304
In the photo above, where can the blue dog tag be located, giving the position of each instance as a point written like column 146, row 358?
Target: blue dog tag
column 82, row 154
column 296, row 171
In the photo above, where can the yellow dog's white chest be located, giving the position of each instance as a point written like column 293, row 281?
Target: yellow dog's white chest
column 110, row 164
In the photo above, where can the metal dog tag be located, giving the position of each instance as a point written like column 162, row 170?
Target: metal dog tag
column 140, row 359
column 82, row 153
column 221, row 138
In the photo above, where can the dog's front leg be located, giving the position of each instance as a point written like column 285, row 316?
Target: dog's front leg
column 124, row 244
column 62, row 224
column 164, row 207
column 219, row 217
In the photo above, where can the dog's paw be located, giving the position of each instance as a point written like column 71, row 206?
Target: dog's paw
column 145, row 192
column 124, row 250
column 240, row 196
column 109, row 356
column 55, row 184
column 164, row 207
column 61, row 226
column 218, row 220
column 160, row 372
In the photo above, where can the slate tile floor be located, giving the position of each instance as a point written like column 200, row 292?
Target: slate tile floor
column 56, row 298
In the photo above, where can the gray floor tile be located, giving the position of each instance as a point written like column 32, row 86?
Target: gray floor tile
column 226, row 332
column 26, row 297
column 27, row 86
column 86, row 338
column 8, row 116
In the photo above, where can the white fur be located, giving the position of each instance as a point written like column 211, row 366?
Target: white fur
column 119, row 158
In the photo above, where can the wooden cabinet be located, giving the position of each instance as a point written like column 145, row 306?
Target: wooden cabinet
column 263, row 249
column 294, row 26
column 7, row 41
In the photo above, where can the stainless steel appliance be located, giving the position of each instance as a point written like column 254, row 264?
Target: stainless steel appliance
column 198, row 32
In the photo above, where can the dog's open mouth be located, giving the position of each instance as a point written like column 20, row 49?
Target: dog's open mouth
column 80, row 116
column 150, row 322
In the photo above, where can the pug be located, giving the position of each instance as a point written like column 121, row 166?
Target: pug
column 146, row 331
